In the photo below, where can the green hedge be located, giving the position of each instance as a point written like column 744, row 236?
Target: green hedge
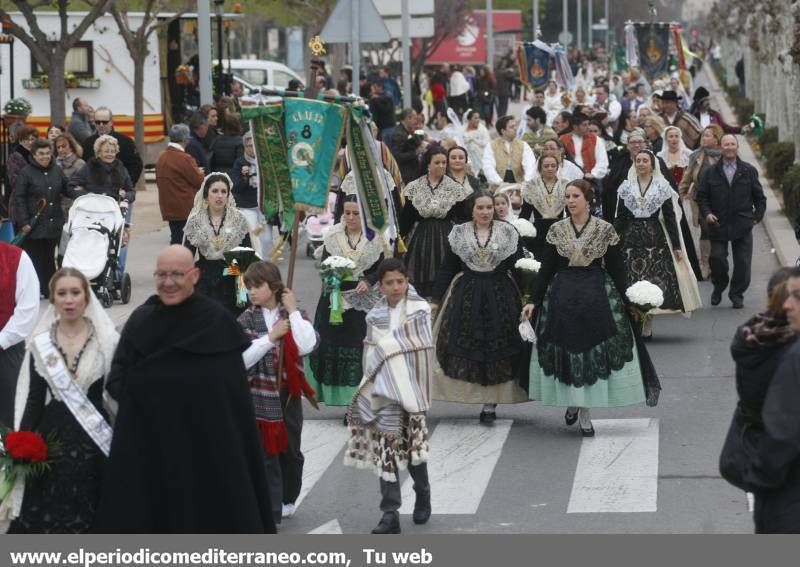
column 769, row 137
column 790, row 189
column 780, row 158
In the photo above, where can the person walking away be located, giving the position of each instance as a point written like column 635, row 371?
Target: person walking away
column 19, row 310
column 274, row 317
column 186, row 455
column 751, row 458
column 382, row 109
column 732, row 201
column 227, row 147
column 387, row 424
column 177, row 180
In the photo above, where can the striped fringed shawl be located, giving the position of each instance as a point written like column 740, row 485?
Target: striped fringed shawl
column 387, row 415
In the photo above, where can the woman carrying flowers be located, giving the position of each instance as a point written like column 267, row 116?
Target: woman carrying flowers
column 481, row 357
column 60, row 396
column 215, row 226
column 588, row 353
column 341, row 313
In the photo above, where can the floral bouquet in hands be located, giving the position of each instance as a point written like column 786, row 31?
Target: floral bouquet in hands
column 23, row 455
column 525, row 228
column 528, row 269
column 333, row 271
column 645, row 297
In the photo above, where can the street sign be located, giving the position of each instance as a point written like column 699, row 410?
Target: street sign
column 419, row 27
column 395, row 8
column 339, row 27
column 565, row 38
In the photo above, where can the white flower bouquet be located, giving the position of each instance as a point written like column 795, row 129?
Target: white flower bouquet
column 645, row 296
column 333, row 271
column 528, row 269
column 525, row 228
column 19, row 106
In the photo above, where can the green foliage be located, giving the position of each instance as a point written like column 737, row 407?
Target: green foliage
column 780, row 157
column 769, row 137
column 790, row 189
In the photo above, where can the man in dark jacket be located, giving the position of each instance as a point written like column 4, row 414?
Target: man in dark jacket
column 128, row 154
column 37, row 208
column 406, row 148
column 382, row 109
column 79, row 124
column 732, row 201
column 198, row 125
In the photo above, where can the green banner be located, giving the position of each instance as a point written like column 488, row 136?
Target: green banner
column 314, row 131
column 370, row 189
column 266, row 124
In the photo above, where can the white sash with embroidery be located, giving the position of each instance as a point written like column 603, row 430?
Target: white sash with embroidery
column 59, row 379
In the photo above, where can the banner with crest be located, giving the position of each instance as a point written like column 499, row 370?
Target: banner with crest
column 653, row 42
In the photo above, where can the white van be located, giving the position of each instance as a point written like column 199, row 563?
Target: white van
column 259, row 73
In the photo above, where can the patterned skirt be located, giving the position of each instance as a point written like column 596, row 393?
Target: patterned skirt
column 426, row 251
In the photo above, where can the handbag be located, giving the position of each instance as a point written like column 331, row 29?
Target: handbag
column 739, row 449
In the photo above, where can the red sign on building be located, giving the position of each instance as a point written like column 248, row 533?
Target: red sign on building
column 470, row 46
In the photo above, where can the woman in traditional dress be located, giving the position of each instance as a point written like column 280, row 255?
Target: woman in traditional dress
column 216, row 226
column 434, row 202
column 567, row 168
column 481, row 357
column 458, row 168
column 674, row 152
column 650, row 239
column 60, row 396
column 706, row 156
column 543, row 200
column 337, row 362
column 476, row 138
column 588, row 352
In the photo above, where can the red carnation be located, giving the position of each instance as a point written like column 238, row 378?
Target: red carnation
column 26, row 446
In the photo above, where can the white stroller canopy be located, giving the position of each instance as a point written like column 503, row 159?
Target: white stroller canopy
column 88, row 247
column 91, row 210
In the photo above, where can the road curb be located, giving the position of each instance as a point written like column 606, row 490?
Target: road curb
column 779, row 229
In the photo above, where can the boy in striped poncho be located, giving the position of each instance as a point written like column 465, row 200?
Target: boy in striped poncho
column 387, row 415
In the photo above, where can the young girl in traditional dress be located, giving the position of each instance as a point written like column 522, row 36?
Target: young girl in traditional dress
column 273, row 317
column 588, row 353
column 651, row 242
column 481, row 357
column 543, row 200
column 434, row 202
column 337, row 362
column 387, row 416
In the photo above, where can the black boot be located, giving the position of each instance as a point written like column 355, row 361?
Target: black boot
column 422, row 506
column 389, row 524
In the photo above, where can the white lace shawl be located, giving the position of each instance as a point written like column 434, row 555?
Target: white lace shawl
column 654, row 198
column 592, row 244
column 435, row 204
column 550, row 206
column 365, row 255
column 199, row 232
column 502, row 244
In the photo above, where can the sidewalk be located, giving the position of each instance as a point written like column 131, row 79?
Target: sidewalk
column 778, row 227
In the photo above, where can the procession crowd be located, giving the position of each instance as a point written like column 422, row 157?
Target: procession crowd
column 508, row 279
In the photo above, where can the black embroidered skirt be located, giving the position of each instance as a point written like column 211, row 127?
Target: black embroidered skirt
column 426, row 251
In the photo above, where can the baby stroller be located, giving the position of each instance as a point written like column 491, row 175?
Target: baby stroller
column 315, row 226
column 95, row 228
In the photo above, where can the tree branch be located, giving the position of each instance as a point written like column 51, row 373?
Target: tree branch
column 97, row 10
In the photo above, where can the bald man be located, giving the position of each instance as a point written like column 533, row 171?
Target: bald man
column 186, row 455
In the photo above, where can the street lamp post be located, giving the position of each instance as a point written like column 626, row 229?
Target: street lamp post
column 489, row 34
column 219, row 6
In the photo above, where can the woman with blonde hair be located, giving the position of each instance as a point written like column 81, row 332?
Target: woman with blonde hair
column 60, row 394
column 654, row 129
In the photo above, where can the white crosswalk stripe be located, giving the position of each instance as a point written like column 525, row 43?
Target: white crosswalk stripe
column 617, row 470
column 462, row 460
column 322, row 442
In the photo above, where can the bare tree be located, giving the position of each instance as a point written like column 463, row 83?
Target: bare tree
column 137, row 41
column 51, row 55
column 449, row 20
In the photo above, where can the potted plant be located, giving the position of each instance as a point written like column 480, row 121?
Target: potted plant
column 16, row 110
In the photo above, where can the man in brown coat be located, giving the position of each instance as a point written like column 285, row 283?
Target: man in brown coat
column 178, row 178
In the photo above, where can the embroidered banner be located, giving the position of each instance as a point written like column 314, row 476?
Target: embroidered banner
column 275, row 191
column 653, row 41
column 371, row 191
column 534, row 65
column 314, row 130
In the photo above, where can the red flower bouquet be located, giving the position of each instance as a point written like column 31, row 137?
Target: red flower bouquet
column 23, row 454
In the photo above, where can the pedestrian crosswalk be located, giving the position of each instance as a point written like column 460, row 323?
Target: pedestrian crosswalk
column 615, row 471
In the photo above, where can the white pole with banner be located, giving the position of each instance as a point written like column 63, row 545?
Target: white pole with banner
column 355, row 41
column 535, row 20
column 406, row 29
column 204, row 51
column 565, row 22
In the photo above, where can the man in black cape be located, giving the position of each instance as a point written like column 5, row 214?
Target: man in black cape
column 185, row 456
column 618, row 172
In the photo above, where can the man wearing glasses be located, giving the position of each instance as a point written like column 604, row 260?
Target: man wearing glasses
column 185, row 421
column 128, row 154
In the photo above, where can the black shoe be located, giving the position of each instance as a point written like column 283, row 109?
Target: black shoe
column 422, row 507
column 737, row 303
column 487, row 417
column 588, row 432
column 571, row 416
column 716, row 297
column 389, row 524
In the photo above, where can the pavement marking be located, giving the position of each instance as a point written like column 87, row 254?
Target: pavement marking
column 617, row 469
column 322, row 441
column 463, row 455
column 332, row 527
